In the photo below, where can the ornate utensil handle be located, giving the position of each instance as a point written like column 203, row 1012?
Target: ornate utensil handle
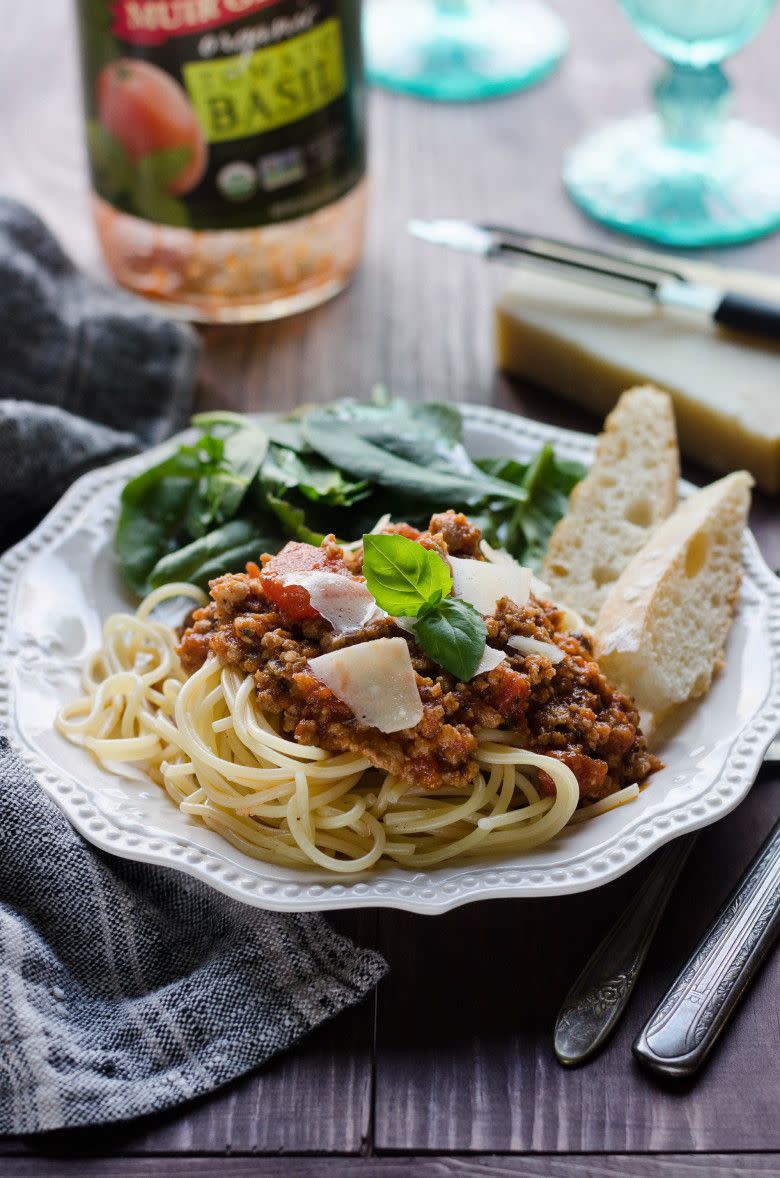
column 681, row 1032
column 596, row 1001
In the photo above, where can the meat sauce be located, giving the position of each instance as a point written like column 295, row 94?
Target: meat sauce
column 268, row 629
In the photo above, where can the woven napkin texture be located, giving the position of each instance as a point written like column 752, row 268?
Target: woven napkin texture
column 88, row 372
column 124, row 988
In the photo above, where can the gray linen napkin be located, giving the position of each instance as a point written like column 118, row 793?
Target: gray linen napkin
column 124, row 988
column 88, row 372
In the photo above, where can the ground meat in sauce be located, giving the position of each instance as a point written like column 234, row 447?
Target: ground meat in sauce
column 568, row 710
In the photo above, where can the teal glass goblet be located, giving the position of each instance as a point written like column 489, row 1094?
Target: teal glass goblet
column 686, row 175
column 460, row 50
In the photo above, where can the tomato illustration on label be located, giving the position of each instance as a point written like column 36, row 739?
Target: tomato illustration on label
column 147, row 111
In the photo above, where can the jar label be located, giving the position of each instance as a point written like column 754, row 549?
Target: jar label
column 222, row 114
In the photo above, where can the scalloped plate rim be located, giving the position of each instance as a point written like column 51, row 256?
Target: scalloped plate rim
column 415, row 893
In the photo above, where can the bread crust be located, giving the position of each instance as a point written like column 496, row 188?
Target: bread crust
column 640, row 640
column 630, row 488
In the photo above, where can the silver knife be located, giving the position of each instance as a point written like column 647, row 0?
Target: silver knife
column 661, row 284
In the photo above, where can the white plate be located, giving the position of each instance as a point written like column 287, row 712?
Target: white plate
column 58, row 585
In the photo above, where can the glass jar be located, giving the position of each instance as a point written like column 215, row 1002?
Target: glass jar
column 226, row 142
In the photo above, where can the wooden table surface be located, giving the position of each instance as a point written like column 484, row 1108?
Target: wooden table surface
column 448, row 1069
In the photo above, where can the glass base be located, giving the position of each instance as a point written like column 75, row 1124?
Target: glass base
column 629, row 177
column 460, row 50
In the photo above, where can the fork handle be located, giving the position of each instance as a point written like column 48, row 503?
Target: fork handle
column 598, row 998
column 682, row 1030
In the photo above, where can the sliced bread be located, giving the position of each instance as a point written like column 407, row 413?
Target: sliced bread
column 661, row 631
column 630, row 488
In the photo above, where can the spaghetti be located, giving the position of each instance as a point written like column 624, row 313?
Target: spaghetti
column 204, row 739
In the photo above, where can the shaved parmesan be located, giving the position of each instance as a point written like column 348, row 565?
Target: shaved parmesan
column 541, row 589
column 376, row 680
column 483, row 584
column 342, row 601
column 500, row 556
column 489, row 661
column 533, row 646
column 496, row 555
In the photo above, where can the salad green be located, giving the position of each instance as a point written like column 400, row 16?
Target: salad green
column 241, row 488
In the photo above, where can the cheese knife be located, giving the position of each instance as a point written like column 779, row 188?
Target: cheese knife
column 663, row 285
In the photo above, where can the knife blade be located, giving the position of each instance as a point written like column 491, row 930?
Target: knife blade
column 661, row 284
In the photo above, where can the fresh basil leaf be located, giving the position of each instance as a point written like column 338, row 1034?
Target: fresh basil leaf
column 454, row 635
column 402, row 576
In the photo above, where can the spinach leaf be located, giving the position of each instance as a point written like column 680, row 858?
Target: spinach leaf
column 284, row 432
column 292, row 519
column 402, row 576
column 439, row 484
column 454, row 635
column 524, row 529
column 153, row 508
column 197, row 561
column 315, row 479
column 244, row 451
column 325, row 469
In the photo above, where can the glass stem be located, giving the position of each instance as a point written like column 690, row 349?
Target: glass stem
column 692, row 104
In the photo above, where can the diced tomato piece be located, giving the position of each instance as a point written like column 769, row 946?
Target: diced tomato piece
column 546, row 784
column 293, row 600
column 511, row 693
column 589, row 771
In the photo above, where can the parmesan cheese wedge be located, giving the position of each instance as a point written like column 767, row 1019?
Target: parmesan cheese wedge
column 345, row 603
column 534, row 646
column 483, row 584
column 491, row 658
column 376, row 680
column 588, row 345
column 541, row 590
